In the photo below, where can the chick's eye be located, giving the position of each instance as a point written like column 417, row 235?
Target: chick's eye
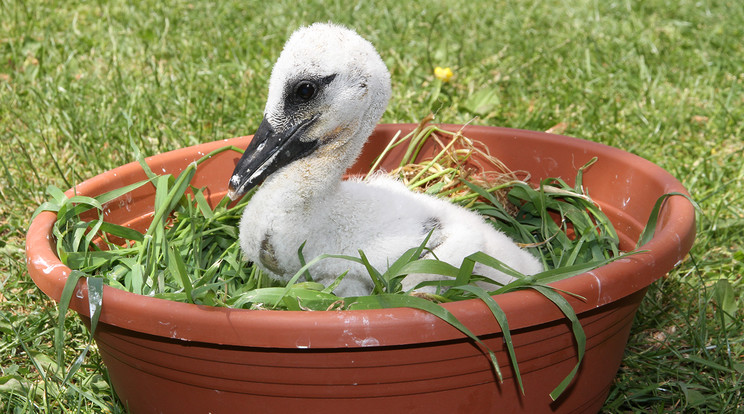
column 305, row 90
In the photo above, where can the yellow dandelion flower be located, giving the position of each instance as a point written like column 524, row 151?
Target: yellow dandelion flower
column 443, row 74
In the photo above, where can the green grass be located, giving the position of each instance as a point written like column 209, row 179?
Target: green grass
column 662, row 79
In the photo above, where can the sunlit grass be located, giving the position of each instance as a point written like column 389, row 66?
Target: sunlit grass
column 662, row 79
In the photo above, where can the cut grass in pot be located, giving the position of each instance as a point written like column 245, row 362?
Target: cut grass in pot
column 190, row 285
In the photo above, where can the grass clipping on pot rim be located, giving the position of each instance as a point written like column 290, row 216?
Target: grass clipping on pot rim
column 191, row 253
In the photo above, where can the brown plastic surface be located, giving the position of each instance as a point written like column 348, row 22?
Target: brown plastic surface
column 167, row 356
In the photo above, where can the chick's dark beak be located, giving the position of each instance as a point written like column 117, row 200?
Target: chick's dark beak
column 267, row 152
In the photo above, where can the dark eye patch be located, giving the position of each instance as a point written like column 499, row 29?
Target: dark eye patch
column 303, row 91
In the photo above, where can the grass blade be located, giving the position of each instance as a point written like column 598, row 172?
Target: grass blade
column 577, row 330
column 500, row 317
column 650, row 229
column 62, row 307
column 177, row 266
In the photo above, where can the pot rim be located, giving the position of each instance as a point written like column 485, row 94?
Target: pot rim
column 378, row 327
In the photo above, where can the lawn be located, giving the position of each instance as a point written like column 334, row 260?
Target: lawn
column 659, row 78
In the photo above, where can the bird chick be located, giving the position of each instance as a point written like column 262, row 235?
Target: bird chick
column 327, row 91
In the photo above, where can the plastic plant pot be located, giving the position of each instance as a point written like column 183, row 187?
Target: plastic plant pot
column 166, row 356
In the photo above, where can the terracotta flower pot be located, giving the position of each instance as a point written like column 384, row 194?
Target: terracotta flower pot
column 175, row 357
